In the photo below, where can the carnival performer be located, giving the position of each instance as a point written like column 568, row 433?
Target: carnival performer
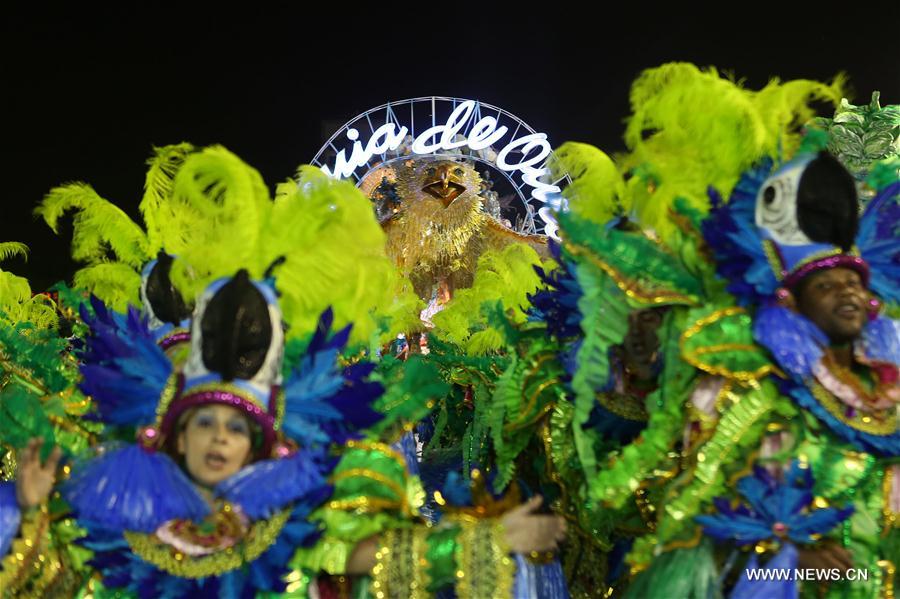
column 41, row 422
column 445, row 231
column 178, row 513
column 762, row 412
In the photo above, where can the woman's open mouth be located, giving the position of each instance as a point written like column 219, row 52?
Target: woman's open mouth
column 215, row 460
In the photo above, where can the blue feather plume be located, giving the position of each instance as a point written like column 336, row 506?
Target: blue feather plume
column 878, row 240
column 123, row 368
column 773, row 505
column 557, row 305
column 323, row 401
column 731, row 233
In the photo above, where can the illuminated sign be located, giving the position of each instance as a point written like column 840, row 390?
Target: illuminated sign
column 471, row 130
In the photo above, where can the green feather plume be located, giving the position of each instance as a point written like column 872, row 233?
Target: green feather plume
column 10, row 249
column 116, row 283
column 167, row 228
column 109, row 242
column 17, row 303
column 692, row 128
column 506, row 277
column 597, row 191
column 320, row 233
column 100, row 227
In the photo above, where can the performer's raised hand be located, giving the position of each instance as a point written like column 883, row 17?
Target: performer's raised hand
column 528, row 531
column 34, row 480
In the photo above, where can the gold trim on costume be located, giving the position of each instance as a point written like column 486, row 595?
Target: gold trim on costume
column 401, row 568
column 485, row 569
column 373, row 475
column 365, row 504
column 631, row 288
column 862, row 422
column 891, row 518
column 259, row 538
column 889, row 569
column 691, row 356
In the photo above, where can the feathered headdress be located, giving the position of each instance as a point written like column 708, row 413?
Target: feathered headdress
column 310, row 227
column 691, row 128
column 318, row 238
column 117, row 250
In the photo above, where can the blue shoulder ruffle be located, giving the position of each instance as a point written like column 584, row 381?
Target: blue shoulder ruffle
column 881, row 340
column 265, row 487
column 129, row 488
column 794, row 341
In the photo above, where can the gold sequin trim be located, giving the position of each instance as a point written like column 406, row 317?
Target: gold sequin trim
column 38, row 564
column 891, row 518
column 692, row 356
column 629, row 407
column 364, row 505
column 885, row 424
column 889, row 570
column 260, row 537
column 774, row 259
column 632, row 288
column 485, row 568
column 401, row 569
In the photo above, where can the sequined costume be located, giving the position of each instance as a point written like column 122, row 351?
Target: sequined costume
column 752, row 407
column 37, row 399
column 437, row 224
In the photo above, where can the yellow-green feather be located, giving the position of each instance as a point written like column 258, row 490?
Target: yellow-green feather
column 507, row 276
column 597, row 191
column 325, row 231
column 99, row 227
column 692, row 128
column 116, row 283
column 17, row 303
column 167, row 227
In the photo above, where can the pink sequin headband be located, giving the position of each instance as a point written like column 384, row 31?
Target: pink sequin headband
column 837, row 261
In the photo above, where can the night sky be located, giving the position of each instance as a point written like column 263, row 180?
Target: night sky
column 86, row 94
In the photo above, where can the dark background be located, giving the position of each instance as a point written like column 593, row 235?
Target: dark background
column 86, row 93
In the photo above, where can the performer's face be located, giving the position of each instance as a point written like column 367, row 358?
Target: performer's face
column 641, row 343
column 215, row 443
column 835, row 300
